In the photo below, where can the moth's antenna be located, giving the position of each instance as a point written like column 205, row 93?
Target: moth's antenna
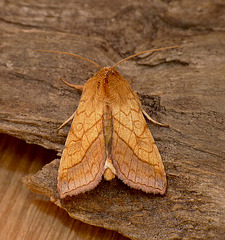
column 152, row 50
column 72, row 54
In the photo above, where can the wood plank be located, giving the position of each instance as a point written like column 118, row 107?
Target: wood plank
column 26, row 215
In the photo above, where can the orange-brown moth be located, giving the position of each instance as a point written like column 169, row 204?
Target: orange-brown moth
column 109, row 136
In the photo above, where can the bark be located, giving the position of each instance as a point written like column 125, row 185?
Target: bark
column 181, row 87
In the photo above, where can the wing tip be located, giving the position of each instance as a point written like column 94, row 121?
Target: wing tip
column 69, row 189
column 157, row 186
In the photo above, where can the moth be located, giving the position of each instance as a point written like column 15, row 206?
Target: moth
column 109, row 136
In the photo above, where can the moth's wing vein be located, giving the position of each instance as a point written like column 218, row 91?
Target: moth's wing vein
column 82, row 162
column 135, row 156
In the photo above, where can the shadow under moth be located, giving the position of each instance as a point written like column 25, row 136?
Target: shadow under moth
column 109, row 136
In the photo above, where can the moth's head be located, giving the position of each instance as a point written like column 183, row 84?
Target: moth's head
column 109, row 72
column 107, row 77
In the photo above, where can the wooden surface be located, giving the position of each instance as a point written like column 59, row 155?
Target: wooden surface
column 181, row 87
column 25, row 215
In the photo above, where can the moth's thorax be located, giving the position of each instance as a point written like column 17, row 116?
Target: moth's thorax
column 106, row 86
column 107, row 79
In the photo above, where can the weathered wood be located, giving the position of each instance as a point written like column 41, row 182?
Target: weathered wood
column 182, row 87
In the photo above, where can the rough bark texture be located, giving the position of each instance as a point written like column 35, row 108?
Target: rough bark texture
column 182, row 87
